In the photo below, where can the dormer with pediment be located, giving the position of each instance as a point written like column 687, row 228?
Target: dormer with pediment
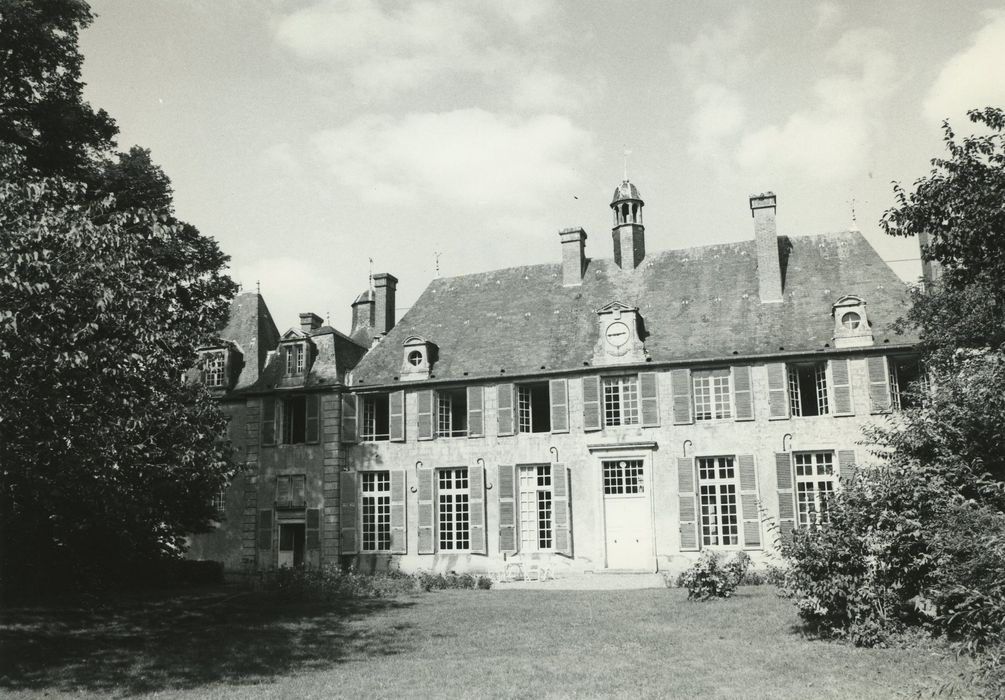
column 851, row 323
column 418, row 357
column 620, row 335
column 296, row 353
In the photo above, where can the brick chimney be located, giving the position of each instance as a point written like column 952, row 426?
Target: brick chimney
column 931, row 270
column 310, row 322
column 573, row 256
column 769, row 267
column 384, row 286
column 362, row 313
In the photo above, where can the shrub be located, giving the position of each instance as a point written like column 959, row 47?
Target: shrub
column 332, row 583
column 710, row 578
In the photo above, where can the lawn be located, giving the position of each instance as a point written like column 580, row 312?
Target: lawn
column 645, row 643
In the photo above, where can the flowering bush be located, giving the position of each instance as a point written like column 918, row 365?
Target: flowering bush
column 710, row 578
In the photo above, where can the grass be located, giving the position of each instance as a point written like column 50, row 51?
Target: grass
column 646, row 643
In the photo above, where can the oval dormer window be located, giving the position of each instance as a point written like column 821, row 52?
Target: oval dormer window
column 851, row 320
column 415, row 358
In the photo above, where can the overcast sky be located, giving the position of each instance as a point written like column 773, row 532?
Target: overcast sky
column 307, row 137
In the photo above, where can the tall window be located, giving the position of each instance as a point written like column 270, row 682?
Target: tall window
column 907, row 381
column 376, row 507
column 535, row 508
column 808, row 389
column 452, row 413
column 291, row 491
column 718, row 493
column 375, row 421
column 621, row 401
column 294, row 410
column 533, row 408
column 213, row 374
column 296, row 359
column 454, row 510
column 624, row 477
column 814, row 485
column 711, row 394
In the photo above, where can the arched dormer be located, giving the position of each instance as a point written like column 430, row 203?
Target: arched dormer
column 851, row 323
column 418, row 357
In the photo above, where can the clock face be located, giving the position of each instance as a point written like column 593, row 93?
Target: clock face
column 617, row 334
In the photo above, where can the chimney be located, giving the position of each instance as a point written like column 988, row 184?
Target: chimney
column 573, row 256
column 362, row 313
column 931, row 270
column 309, row 322
column 769, row 268
column 384, row 286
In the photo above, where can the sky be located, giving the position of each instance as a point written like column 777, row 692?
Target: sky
column 451, row 137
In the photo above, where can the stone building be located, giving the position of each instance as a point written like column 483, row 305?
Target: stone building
column 607, row 413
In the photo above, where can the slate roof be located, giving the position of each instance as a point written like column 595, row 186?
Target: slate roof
column 336, row 354
column 625, row 190
column 698, row 305
column 251, row 328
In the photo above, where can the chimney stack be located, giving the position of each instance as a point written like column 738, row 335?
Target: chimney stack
column 769, row 267
column 931, row 270
column 362, row 313
column 309, row 322
column 573, row 256
column 384, row 286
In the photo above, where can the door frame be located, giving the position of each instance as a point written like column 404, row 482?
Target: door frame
column 614, row 452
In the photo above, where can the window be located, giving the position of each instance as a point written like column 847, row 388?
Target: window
column 375, row 422
column 907, row 380
column 415, row 358
column 452, row 413
column 533, row 408
column 814, row 485
column 718, row 493
column 376, row 507
column 214, row 369
column 452, row 499
column 621, row 401
column 623, row 477
column 851, row 320
column 291, row 491
column 808, row 389
column 535, row 508
column 712, row 394
column 295, row 420
column 296, row 359
column 219, row 502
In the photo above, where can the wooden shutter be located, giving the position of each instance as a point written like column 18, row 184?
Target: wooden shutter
column 778, row 395
column 396, row 411
column 591, row 403
column 425, row 477
column 476, row 505
column 399, row 531
column 846, row 466
column 268, row 421
column 476, row 411
column 650, row 400
column 425, row 414
column 505, row 413
column 284, row 490
column 299, row 490
column 348, row 489
column 879, row 384
column 680, row 389
column 786, row 497
column 313, row 418
column 560, row 503
column 685, row 498
column 743, row 394
column 559, row 392
column 349, row 418
column 265, row 529
column 840, row 388
column 507, row 509
column 749, row 502
column 313, row 529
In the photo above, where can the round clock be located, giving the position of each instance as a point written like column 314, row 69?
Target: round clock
column 617, row 334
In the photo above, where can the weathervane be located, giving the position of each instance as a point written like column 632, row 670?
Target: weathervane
column 627, row 152
column 258, row 287
column 854, row 217
column 436, row 262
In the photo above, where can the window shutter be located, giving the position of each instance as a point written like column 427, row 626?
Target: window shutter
column 748, row 502
column 284, row 490
column 265, row 529
column 313, row 528
column 425, row 426
column 300, row 490
column 396, row 409
column 476, row 504
column 879, row 384
column 743, row 394
column 840, row 388
column 476, row 411
column 778, row 400
column 348, row 418
column 591, row 403
column 507, row 512
column 268, row 421
column 425, row 477
column 504, row 409
column 313, row 418
column 560, row 502
column 685, row 497
column 846, row 466
column 399, row 531
column 347, row 512
column 650, row 400
column 559, row 390
column 680, row 389
column 786, row 502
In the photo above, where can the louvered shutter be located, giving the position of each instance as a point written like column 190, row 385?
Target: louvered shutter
column 476, row 411
column 840, row 388
column 778, row 399
column 476, row 506
column 284, row 491
column 313, row 418
column 399, row 532
column 507, row 509
column 560, row 502
column 686, row 498
column 846, row 466
column 749, row 501
column 425, row 414
column 348, row 499
column 313, row 529
column 265, row 529
column 879, row 384
column 743, row 394
column 559, row 392
column 505, row 401
column 299, row 490
column 349, row 418
column 650, row 400
column 425, row 477
column 268, row 421
column 680, row 389
column 396, row 410
column 786, row 498
column 591, row 403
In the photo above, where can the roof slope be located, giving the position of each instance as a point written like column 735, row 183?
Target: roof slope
column 251, row 328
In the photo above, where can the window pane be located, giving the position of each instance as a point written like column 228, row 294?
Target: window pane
column 717, row 489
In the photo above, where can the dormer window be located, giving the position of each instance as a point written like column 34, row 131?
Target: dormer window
column 214, row 373
column 851, row 323
column 418, row 358
column 415, row 358
column 851, row 320
column 295, row 358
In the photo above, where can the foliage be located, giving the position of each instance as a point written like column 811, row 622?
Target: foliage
column 710, row 577
column 333, row 583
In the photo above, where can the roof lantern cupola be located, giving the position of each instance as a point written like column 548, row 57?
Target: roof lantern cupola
column 628, row 233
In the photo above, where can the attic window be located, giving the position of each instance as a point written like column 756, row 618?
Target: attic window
column 295, row 358
column 214, row 366
column 851, row 320
column 415, row 358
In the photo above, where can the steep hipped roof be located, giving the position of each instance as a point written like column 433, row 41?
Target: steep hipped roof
column 698, row 304
column 251, row 328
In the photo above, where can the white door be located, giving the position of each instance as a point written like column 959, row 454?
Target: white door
column 627, row 518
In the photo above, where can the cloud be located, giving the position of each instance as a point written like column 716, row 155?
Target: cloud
column 719, row 114
column 827, row 15
column 973, row 78
column 722, row 53
column 286, row 283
